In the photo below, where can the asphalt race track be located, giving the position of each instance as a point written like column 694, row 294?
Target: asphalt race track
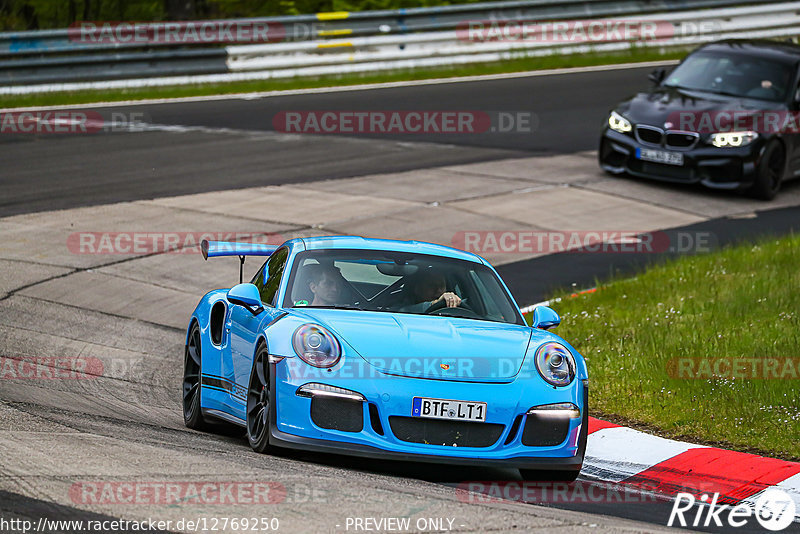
column 231, row 144
column 61, row 438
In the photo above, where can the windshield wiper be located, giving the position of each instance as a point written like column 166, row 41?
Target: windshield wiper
column 726, row 93
column 703, row 90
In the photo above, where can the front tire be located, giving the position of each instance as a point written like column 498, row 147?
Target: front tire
column 769, row 173
column 259, row 408
column 192, row 368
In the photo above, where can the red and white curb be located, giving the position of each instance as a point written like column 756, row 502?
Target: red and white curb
column 638, row 460
column 647, row 463
column 642, row 461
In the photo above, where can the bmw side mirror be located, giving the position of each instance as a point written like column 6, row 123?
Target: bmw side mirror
column 657, row 75
column 246, row 295
column 544, row 318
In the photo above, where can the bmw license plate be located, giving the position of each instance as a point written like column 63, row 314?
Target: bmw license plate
column 448, row 409
column 659, row 156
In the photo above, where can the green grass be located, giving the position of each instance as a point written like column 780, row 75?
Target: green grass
column 514, row 65
column 742, row 301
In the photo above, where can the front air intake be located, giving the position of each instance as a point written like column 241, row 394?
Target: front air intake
column 442, row 432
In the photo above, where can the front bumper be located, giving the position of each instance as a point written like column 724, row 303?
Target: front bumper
column 387, row 398
column 717, row 168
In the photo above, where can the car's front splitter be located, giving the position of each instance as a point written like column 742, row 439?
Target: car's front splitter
column 388, row 397
column 284, row 439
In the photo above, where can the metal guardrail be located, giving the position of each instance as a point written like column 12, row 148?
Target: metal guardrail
column 338, row 24
column 330, row 43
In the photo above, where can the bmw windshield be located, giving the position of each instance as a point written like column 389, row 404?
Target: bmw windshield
column 737, row 75
column 398, row 282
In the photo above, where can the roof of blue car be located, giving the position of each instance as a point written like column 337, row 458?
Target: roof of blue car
column 356, row 242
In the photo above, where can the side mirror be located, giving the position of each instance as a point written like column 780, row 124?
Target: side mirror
column 544, row 318
column 246, row 295
column 657, row 75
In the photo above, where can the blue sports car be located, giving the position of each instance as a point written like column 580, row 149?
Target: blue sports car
column 385, row 349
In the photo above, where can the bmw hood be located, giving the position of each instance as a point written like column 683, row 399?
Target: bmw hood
column 447, row 348
column 666, row 104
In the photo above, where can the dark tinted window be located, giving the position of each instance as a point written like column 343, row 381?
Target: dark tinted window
column 268, row 278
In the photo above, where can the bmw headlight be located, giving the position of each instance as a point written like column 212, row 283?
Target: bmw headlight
column 316, row 346
column 556, row 364
column 618, row 123
column 733, row 139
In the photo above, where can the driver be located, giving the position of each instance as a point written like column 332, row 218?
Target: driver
column 427, row 290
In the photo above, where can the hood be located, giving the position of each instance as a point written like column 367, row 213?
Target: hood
column 665, row 105
column 447, row 348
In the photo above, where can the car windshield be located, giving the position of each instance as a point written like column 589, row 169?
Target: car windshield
column 733, row 75
column 398, row 282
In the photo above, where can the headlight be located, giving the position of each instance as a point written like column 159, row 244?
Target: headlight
column 727, row 139
column 619, row 123
column 316, row 346
column 561, row 409
column 556, row 364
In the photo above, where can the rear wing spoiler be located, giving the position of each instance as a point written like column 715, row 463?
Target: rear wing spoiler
column 213, row 249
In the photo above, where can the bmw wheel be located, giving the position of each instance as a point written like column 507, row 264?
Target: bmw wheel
column 769, row 173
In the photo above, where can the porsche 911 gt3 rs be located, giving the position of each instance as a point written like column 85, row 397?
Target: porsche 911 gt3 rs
column 385, row 349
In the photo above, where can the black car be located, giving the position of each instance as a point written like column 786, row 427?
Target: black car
column 726, row 117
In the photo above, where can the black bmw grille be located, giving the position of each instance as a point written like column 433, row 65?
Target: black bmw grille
column 680, row 140
column 442, row 432
column 649, row 135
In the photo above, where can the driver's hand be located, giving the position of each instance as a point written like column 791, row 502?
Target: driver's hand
column 451, row 299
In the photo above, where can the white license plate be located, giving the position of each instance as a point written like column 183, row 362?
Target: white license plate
column 448, row 409
column 659, row 156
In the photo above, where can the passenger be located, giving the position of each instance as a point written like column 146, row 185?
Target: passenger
column 325, row 283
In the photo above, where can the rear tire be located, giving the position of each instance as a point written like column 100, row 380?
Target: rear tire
column 259, row 407
column 769, row 173
column 192, row 369
column 549, row 476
